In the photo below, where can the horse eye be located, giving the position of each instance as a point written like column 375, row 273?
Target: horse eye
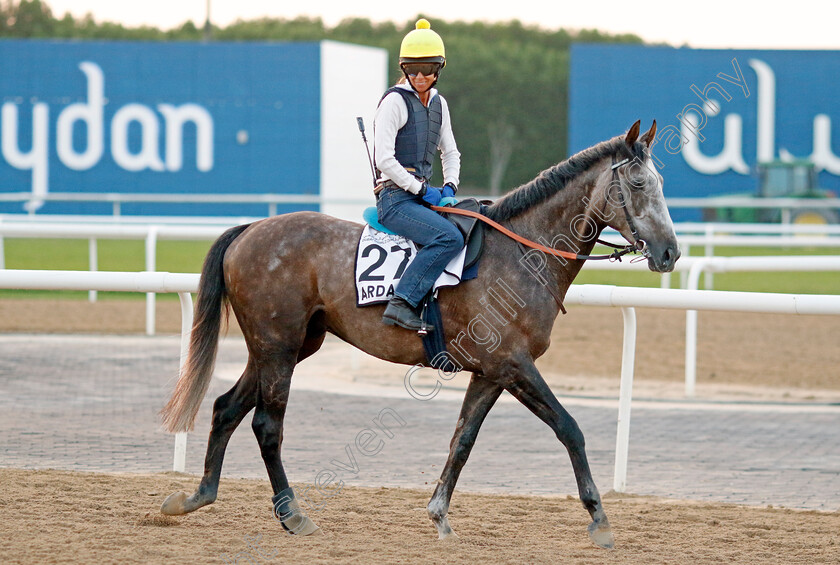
column 637, row 182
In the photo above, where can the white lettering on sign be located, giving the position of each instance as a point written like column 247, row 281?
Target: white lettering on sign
column 36, row 159
column 90, row 115
column 731, row 157
column 148, row 157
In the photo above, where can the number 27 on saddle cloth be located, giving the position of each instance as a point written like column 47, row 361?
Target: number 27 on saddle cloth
column 382, row 257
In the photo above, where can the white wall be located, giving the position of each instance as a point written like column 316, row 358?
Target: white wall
column 353, row 78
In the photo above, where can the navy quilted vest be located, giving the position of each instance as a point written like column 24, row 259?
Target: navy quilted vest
column 418, row 139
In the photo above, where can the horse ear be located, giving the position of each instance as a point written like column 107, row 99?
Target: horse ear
column 633, row 134
column 648, row 137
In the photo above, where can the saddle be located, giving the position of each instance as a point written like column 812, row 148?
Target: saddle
column 470, row 228
column 473, row 232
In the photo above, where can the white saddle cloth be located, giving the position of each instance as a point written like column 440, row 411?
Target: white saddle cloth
column 382, row 258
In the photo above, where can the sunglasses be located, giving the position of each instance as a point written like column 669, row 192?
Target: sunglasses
column 426, row 69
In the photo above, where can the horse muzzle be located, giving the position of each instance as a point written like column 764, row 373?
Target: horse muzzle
column 663, row 259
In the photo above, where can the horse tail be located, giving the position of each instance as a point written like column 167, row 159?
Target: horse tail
column 179, row 413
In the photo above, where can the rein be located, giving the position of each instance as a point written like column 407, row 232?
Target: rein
column 638, row 246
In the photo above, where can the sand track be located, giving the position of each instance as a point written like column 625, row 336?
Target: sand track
column 63, row 517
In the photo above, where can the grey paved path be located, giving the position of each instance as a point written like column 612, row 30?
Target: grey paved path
column 90, row 403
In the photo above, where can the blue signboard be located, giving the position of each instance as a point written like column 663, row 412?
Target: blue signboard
column 719, row 112
column 235, row 118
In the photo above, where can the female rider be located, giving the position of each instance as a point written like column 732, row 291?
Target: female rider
column 411, row 124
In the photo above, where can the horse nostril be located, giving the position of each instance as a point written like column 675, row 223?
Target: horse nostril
column 671, row 255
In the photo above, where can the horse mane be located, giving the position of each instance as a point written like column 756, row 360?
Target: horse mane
column 555, row 178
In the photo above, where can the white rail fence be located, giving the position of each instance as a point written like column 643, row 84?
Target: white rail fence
column 626, row 298
column 712, row 235
column 693, row 267
column 182, row 283
column 690, row 267
column 184, row 228
column 150, row 233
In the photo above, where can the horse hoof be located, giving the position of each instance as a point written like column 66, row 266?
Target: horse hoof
column 174, row 504
column 450, row 537
column 601, row 535
column 301, row 525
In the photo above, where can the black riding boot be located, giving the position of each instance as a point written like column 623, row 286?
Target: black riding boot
column 400, row 313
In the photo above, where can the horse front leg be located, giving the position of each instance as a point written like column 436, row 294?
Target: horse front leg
column 521, row 378
column 480, row 397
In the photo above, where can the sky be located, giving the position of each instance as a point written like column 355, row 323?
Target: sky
column 804, row 24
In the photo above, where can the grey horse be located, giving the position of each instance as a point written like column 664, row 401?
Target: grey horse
column 289, row 280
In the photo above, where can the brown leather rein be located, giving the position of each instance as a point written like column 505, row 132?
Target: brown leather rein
column 639, row 246
column 615, row 255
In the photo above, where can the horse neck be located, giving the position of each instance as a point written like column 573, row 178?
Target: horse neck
column 570, row 218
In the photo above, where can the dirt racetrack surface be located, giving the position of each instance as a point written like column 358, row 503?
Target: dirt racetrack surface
column 63, row 517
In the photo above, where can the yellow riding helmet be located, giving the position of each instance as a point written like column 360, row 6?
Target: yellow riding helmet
column 422, row 45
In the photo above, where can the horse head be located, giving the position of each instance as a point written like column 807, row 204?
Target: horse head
column 635, row 204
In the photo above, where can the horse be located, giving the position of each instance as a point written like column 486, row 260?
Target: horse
column 289, row 280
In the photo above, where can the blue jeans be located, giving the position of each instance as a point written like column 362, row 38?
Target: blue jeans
column 402, row 212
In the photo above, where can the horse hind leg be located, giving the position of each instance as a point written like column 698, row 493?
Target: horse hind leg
column 480, row 397
column 228, row 411
column 272, row 399
column 316, row 331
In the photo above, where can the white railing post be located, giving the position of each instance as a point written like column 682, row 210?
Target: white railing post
column 179, row 462
column 690, row 352
column 685, row 251
column 151, row 247
column 693, row 281
column 625, row 396
column 786, row 216
column 709, row 252
column 93, row 264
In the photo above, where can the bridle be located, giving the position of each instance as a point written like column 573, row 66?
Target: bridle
column 638, row 244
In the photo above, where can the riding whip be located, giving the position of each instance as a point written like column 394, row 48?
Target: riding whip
column 361, row 123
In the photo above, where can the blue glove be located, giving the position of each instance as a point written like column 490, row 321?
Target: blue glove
column 431, row 194
column 449, row 190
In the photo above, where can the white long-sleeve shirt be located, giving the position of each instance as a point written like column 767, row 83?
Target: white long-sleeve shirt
column 390, row 117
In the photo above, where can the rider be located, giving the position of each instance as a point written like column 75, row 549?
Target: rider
column 411, row 124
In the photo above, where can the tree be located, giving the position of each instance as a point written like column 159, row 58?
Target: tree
column 502, row 137
column 27, row 18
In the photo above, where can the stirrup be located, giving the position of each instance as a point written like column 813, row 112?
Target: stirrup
column 424, row 329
